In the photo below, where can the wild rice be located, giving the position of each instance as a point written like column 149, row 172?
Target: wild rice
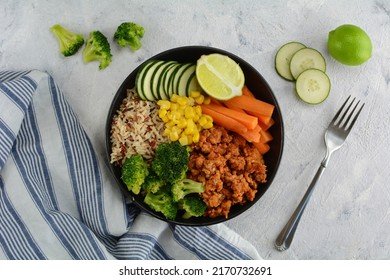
column 136, row 129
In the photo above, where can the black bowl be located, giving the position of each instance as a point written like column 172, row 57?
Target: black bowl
column 260, row 89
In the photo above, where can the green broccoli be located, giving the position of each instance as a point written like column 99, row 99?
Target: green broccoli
column 97, row 47
column 193, row 207
column 134, row 172
column 162, row 201
column 184, row 187
column 171, row 161
column 129, row 33
column 152, row 183
column 70, row 42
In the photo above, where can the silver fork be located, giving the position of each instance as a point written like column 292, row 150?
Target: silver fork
column 335, row 136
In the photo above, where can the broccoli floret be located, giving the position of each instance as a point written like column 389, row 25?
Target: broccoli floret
column 97, row 47
column 171, row 161
column 70, row 42
column 152, row 183
column 184, row 187
column 129, row 33
column 193, row 207
column 162, row 201
column 134, row 172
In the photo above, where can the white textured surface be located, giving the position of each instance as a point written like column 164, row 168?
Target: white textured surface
column 349, row 214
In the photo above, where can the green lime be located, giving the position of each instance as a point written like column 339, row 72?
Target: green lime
column 349, row 44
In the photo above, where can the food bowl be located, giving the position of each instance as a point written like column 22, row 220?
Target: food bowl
column 260, row 89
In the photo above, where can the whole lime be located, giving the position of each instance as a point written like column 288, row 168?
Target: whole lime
column 349, row 45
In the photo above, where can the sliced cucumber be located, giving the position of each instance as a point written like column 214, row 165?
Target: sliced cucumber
column 283, row 58
column 167, row 78
column 157, row 80
column 140, row 78
column 313, row 86
column 177, row 76
column 304, row 59
column 192, row 84
column 184, row 79
column 154, row 81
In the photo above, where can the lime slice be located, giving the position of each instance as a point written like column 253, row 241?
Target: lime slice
column 219, row 76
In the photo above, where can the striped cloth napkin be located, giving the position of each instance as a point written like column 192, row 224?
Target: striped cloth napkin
column 58, row 200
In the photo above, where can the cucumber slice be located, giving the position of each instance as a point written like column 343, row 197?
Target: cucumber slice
column 184, row 79
column 166, row 79
column 306, row 58
column 192, row 84
column 160, row 86
column 283, row 58
column 313, row 86
column 179, row 79
column 140, row 77
column 154, row 81
column 146, row 82
column 170, row 79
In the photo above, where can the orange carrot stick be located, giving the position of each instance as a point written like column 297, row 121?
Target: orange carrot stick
column 266, row 126
column 262, row 147
column 252, row 135
column 249, row 121
column 252, row 104
column 247, row 92
column 224, row 121
column 265, row 136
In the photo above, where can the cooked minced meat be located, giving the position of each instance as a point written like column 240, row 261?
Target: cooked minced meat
column 229, row 167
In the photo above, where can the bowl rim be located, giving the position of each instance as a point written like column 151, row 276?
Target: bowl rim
column 119, row 94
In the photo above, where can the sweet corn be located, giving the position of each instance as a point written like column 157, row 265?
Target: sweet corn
column 183, row 117
column 162, row 112
column 195, row 94
column 199, row 99
column 164, row 104
column 174, row 136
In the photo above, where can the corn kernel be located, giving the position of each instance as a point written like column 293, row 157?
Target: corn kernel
column 196, row 137
column 196, row 118
column 182, row 101
column 183, row 140
column 162, row 113
column 173, row 136
column 198, row 110
column 194, row 93
column 174, row 107
column 208, row 124
column 207, row 100
column 167, row 131
column 199, row 99
column 182, row 123
column 174, row 97
column 164, row 104
column 189, row 112
column 203, row 120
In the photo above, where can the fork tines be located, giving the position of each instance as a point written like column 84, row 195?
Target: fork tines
column 349, row 116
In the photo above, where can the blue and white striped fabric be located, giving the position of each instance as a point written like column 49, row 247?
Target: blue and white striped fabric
column 58, row 201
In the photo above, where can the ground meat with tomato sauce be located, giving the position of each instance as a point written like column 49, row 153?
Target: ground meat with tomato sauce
column 229, row 167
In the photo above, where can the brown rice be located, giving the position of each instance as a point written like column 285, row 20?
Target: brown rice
column 136, row 129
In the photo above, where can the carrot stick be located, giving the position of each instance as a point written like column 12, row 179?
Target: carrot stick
column 249, row 121
column 262, row 118
column 252, row 104
column 266, row 126
column 265, row 136
column 247, row 92
column 262, row 147
column 216, row 101
column 234, row 107
column 224, row 121
column 252, row 135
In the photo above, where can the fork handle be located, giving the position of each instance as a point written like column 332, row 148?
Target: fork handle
column 286, row 236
